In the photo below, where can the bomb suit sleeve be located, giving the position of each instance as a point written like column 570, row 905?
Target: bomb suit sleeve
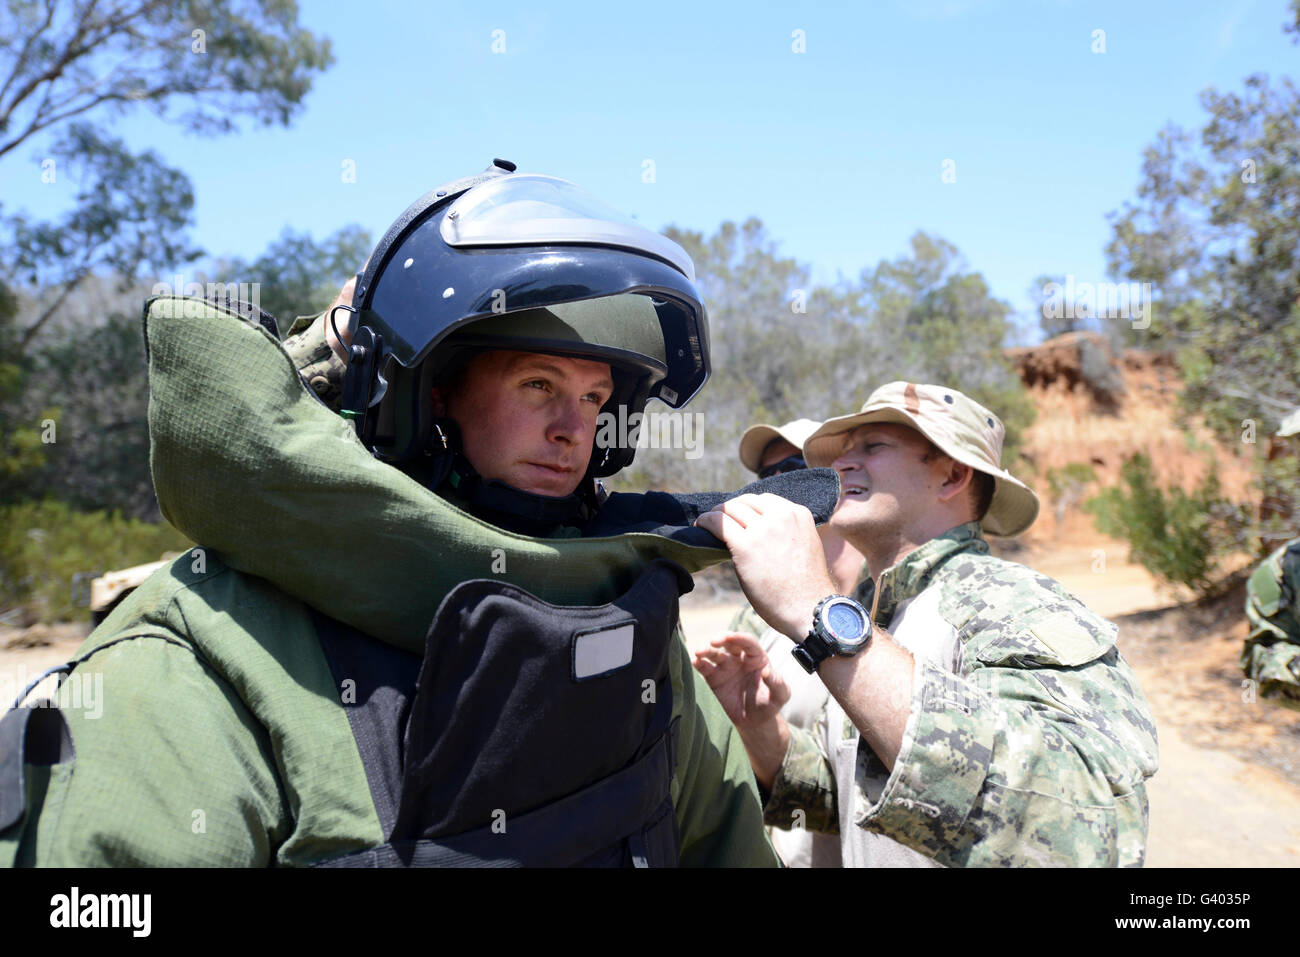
column 714, row 791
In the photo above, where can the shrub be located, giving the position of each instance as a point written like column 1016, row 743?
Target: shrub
column 1178, row 537
column 44, row 545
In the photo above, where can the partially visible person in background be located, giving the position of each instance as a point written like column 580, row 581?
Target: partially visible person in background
column 768, row 450
column 1271, row 656
column 1277, row 508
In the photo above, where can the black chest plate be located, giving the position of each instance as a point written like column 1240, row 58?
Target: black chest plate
column 529, row 734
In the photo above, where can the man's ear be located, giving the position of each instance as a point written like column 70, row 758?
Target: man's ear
column 439, row 403
column 956, row 481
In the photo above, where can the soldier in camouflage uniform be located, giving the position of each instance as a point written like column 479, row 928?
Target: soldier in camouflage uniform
column 989, row 718
column 1271, row 656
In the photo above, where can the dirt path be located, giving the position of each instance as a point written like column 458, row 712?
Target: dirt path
column 1228, row 790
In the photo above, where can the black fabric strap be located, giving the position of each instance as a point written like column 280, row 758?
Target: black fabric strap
column 382, row 684
column 811, row 652
column 673, row 516
column 33, row 735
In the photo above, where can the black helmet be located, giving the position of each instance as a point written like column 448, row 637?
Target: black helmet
column 507, row 260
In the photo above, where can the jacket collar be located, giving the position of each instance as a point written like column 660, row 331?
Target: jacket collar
column 911, row 575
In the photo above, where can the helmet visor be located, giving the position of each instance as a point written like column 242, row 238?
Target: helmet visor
column 529, row 208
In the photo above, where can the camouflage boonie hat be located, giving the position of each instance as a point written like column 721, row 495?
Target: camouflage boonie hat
column 958, row 425
column 758, row 437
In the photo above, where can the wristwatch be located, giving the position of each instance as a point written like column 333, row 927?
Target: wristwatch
column 840, row 627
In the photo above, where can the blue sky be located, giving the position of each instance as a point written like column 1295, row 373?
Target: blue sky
column 839, row 149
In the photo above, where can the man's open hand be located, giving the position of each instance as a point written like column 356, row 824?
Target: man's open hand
column 741, row 676
column 752, row 694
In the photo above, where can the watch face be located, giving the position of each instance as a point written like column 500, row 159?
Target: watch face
column 845, row 622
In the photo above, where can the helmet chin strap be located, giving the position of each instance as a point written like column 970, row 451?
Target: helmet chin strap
column 505, row 506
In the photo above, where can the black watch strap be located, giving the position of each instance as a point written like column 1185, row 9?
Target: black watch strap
column 811, row 652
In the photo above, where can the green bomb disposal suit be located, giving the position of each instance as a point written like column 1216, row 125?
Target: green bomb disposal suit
column 280, row 696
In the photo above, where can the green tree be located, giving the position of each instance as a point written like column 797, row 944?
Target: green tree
column 201, row 63
column 92, row 383
column 296, row 275
column 1214, row 230
column 21, row 449
column 1067, row 484
column 1177, row 536
column 131, row 212
column 97, row 399
column 45, row 546
column 936, row 321
column 757, row 337
column 67, row 67
column 784, row 349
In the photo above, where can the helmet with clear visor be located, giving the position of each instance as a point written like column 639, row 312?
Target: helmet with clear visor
column 507, row 260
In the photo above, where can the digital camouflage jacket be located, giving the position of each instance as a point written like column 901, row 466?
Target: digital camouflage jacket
column 1271, row 656
column 1029, row 740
